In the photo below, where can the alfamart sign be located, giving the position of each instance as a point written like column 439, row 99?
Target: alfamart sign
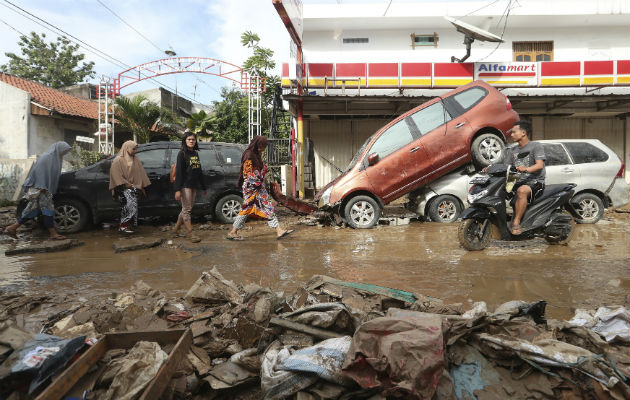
column 508, row 74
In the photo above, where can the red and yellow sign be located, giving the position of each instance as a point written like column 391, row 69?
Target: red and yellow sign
column 507, row 73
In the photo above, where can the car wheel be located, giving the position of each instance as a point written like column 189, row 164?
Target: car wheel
column 487, row 149
column 589, row 208
column 362, row 212
column 444, row 208
column 227, row 208
column 70, row 216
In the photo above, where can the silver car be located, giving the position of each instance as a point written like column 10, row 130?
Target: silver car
column 592, row 166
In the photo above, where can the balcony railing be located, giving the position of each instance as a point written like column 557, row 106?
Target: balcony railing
column 279, row 152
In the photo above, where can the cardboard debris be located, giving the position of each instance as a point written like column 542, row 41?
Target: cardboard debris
column 212, row 288
column 254, row 343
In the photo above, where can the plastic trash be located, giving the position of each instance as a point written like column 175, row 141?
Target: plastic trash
column 324, row 359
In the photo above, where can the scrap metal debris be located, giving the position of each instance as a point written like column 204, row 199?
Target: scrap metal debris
column 333, row 339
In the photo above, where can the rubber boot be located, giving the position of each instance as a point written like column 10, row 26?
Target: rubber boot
column 191, row 235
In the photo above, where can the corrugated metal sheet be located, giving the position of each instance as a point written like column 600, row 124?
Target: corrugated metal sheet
column 609, row 130
column 336, row 142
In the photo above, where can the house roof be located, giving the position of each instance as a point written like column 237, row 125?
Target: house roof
column 53, row 99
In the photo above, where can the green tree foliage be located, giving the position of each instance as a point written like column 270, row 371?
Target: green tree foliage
column 144, row 118
column 230, row 116
column 231, row 111
column 53, row 64
column 201, row 123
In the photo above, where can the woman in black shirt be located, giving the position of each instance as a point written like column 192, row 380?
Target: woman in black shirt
column 188, row 178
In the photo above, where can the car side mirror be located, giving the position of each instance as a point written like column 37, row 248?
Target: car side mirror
column 372, row 158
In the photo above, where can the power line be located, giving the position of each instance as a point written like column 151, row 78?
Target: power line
column 125, row 22
column 507, row 14
column 81, row 43
column 481, row 8
column 4, row 22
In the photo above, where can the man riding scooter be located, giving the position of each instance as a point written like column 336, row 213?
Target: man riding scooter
column 528, row 158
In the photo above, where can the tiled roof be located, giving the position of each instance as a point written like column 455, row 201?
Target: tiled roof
column 50, row 98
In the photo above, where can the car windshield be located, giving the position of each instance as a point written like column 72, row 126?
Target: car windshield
column 357, row 154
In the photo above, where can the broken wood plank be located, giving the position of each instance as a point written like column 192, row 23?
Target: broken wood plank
column 136, row 243
column 200, row 328
column 48, row 246
column 309, row 330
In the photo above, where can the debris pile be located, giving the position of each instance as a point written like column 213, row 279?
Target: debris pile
column 333, row 339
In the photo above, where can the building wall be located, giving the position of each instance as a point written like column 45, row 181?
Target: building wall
column 45, row 131
column 15, row 110
column 13, row 172
column 570, row 44
column 336, row 142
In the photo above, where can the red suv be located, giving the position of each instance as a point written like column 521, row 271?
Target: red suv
column 470, row 123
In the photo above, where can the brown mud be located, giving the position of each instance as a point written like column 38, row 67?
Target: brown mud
column 592, row 270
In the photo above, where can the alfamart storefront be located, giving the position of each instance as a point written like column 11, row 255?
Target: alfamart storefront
column 344, row 103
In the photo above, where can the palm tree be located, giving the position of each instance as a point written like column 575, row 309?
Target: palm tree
column 201, row 123
column 142, row 117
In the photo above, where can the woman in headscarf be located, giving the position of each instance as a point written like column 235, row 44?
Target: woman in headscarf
column 127, row 177
column 39, row 188
column 188, row 178
column 257, row 202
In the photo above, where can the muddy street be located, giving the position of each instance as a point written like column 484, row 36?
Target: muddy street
column 420, row 257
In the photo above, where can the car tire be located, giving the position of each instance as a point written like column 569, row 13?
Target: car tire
column 227, row 208
column 362, row 212
column 469, row 236
column 71, row 216
column 444, row 209
column 589, row 208
column 487, row 149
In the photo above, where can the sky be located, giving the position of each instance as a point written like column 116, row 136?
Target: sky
column 193, row 28
column 197, row 28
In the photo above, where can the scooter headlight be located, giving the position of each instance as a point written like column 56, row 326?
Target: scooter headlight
column 472, row 197
column 323, row 200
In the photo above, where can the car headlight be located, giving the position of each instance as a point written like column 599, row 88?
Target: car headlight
column 474, row 197
column 323, row 200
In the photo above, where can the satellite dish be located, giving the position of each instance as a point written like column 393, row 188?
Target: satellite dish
column 471, row 33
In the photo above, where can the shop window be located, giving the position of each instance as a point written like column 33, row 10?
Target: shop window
column 424, row 40
column 532, row 51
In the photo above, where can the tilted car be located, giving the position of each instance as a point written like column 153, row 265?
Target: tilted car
column 592, row 166
column 470, row 123
column 83, row 195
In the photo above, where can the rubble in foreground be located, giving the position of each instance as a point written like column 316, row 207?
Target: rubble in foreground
column 330, row 339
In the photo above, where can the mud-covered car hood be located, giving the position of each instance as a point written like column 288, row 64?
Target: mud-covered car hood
column 330, row 184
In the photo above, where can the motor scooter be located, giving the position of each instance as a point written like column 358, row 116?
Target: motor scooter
column 545, row 216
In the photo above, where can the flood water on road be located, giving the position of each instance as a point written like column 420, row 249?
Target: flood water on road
column 593, row 270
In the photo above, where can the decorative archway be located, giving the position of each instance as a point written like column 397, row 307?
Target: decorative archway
column 108, row 90
column 176, row 65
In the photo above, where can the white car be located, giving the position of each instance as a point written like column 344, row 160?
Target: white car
column 592, row 166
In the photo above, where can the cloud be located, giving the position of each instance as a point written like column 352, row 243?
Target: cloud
column 190, row 27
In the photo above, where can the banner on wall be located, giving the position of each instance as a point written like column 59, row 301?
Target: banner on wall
column 507, row 73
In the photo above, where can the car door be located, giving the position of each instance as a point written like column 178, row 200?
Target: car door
column 401, row 160
column 230, row 157
column 593, row 166
column 159, row 192
column 444, row 138
column 559, row 167
column 212, row 174
column 106, row 205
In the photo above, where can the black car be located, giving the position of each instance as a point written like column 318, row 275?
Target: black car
column 83, row 194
